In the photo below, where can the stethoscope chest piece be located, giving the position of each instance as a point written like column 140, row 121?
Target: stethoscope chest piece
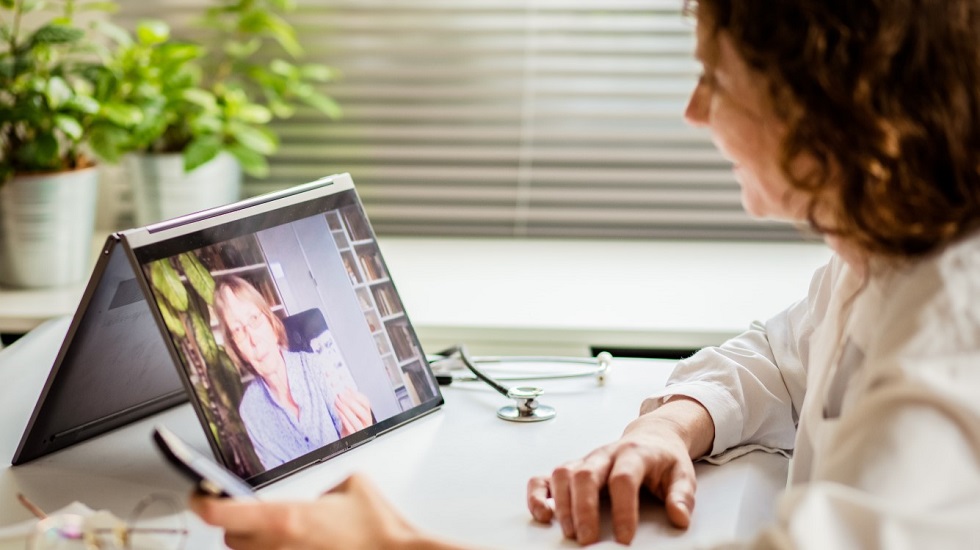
column 527, row 408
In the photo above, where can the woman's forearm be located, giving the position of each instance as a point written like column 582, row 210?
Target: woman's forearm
column 687, row 418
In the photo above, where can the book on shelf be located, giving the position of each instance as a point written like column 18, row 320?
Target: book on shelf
column 370, row 266
column 333, row 220
column 391, row 367
column 362, row 298
column 382, row 343
column 356, row 224
column 351, row 272
column 407, row 396
column 372, row 321
column 419, row 381
column 401, row 340
column 386, row 302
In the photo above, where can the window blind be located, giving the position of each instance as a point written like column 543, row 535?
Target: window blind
column 524, row 118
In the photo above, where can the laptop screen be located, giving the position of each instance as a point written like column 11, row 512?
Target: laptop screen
column 290, row 333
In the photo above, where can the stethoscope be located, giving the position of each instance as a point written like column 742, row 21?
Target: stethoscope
column 526, row 407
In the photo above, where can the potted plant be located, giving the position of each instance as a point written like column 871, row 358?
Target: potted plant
column 198, row 113
column 162, row 124
column 48, row 184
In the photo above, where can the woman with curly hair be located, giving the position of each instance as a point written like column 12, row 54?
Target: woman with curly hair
column 861, row 120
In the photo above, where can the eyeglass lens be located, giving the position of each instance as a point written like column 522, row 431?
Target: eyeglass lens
column 156, row 523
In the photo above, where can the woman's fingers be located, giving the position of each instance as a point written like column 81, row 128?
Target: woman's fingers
column 625, row 480
column 539, row 499
column 576, row 488
column 247, row 524
column 561, row 492
column 354, row 483
column 354, row 410
column 587, row 484
column 354, row 514
column 232, row 515
column 679, row 494
column 659, row 461
column 348, row 420
column 360, row 405
column 247, row 542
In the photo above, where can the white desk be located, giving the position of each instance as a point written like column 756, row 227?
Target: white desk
column 531, row 296
column 460, row 471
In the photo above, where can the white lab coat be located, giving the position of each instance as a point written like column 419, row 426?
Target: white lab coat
column 876, row 390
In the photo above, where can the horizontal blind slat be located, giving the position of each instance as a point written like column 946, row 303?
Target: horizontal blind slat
column 506, row 117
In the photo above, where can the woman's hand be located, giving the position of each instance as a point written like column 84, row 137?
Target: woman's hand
column 354, row 409
column 655, row 451
column 352, row 515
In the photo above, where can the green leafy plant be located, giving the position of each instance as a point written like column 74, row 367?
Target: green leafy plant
column 184, row 290
column 220, row 95
column 47, row 107
column 150, row 87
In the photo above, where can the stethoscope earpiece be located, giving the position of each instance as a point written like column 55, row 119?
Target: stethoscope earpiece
column 604, row 360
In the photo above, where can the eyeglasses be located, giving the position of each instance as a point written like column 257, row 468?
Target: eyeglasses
column 156, row 523
column 251, row 324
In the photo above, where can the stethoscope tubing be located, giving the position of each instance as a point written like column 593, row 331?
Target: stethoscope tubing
column 527, row 409
column 600, row 364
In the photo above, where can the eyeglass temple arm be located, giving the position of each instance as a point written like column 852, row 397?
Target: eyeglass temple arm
column 31, row 507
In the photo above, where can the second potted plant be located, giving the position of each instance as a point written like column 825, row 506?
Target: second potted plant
column 196, row 116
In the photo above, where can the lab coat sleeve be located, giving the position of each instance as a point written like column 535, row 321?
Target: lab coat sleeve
column 753, row 385
column 876, row 490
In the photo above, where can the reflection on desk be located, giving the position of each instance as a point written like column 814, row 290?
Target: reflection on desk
column 459, row 472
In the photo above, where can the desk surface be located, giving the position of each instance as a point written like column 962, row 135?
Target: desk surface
column 559, row 296
column 460, row 471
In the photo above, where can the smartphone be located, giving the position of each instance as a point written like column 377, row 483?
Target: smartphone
column 210, row 477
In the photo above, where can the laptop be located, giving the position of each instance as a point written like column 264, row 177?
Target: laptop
column 276, row 317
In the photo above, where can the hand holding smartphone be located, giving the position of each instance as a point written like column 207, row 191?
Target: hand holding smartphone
column 211, row 478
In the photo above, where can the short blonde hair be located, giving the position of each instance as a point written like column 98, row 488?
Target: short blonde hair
column 245, row 291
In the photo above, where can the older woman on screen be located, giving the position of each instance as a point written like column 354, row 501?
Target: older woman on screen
column 289, row 409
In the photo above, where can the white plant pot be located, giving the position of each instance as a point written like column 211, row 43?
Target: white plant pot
column 46, row 225
column 163, row 190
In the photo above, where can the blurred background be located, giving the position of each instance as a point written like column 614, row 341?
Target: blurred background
column 505, row 118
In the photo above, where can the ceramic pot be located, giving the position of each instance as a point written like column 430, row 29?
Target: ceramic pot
column 163, row 190
column 46, row 225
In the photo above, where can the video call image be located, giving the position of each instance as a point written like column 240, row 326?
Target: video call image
column 292, row 337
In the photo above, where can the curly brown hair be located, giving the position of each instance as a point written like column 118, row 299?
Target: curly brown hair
column 885, row 95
